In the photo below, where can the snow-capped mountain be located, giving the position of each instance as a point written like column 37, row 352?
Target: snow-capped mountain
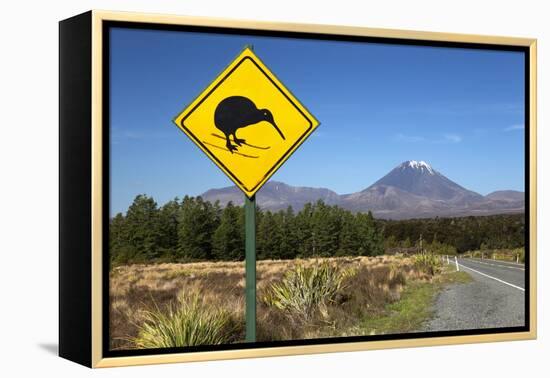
column 413, row 189
column 418, row 177
column 417, row 165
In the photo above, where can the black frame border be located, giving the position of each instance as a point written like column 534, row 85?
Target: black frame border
column 75, row 182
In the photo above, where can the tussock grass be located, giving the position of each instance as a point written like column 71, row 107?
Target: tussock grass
column 513, row 255
column 429, row 263
column 305, row 290
column 154, row 305
column 188, row 322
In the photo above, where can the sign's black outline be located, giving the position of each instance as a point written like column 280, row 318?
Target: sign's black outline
column 211, row 155
column 106, row 25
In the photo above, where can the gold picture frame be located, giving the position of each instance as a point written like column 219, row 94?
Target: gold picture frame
column 82, row 286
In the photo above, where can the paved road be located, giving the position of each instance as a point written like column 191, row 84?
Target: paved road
column 495, row 298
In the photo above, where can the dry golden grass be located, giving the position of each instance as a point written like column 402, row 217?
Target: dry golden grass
column 513, row 255
column 138, row 288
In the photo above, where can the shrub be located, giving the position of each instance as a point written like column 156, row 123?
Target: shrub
column 438, row 248
column 427, row 262
column 188, row 322
column 305, row 290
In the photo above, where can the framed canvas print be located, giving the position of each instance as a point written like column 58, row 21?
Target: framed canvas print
column 234, row 189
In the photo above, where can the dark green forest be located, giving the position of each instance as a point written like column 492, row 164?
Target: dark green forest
column 505, row 231
column 192, row 229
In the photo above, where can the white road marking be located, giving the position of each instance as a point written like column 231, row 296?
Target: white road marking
column 493, row 278
column 500, row 266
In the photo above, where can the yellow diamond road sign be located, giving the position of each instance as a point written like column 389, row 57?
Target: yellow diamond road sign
column 247, row 122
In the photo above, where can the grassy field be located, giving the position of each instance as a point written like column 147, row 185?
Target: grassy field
column 203, row 303
column 414, row 308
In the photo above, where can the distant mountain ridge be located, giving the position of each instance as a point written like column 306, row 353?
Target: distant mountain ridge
column 413, row 189
column 506, row 195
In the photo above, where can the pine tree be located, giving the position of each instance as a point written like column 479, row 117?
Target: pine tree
column 289, row 237
column 325, row 229
column 268, row 237
column 228, row 241
column 119, row 249
column 168, row 228
column 304, row 234
column 349, row 240
column 198, row 220
column 370, row 237
column 142, row 227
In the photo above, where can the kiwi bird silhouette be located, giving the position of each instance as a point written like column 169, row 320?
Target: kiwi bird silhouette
column 235, row 112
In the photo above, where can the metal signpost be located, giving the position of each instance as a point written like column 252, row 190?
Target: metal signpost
column 248, row 99
column 250, row 267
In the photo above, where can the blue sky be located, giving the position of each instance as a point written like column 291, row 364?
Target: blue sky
column 461, row 110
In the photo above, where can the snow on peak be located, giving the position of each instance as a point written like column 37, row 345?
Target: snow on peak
column 420, row 165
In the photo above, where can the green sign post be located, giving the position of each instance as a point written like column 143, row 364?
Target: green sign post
column 250, row 267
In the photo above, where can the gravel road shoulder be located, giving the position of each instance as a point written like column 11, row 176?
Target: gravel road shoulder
column 482, row 303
